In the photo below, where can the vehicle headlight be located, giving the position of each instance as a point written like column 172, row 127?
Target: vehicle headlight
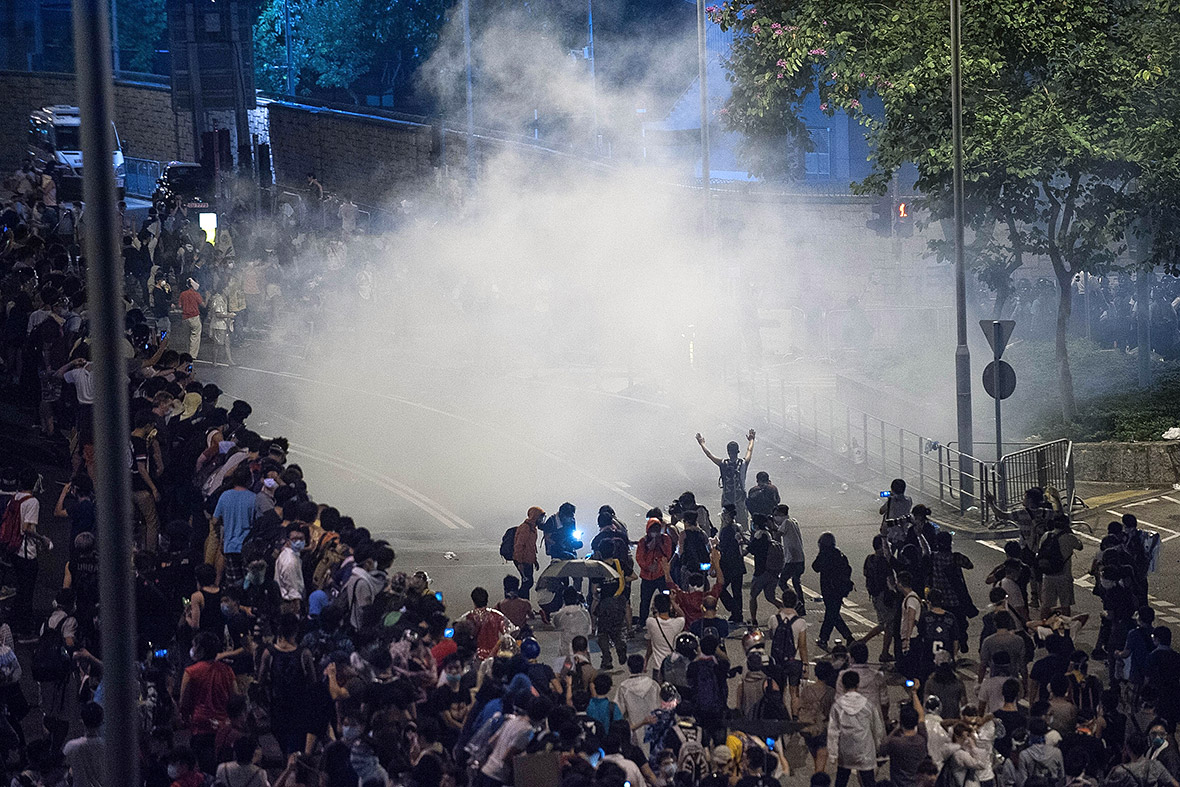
column 120, row 170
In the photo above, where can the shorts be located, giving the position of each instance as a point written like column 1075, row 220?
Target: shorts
column 793, row 672
column 1057, row 590
column 763, row 583
column 886, row 612
column 50, row 385
column 816, row 742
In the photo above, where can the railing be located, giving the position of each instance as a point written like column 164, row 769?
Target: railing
column 1049, row 464
column 141, row 177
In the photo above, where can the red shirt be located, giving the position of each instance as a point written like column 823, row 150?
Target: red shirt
column 649, row 552
column 489, row 625
column 190, row 304
column 210, row 684
column 443, row 649
column 691, row 602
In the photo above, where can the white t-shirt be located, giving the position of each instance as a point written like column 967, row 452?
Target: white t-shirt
column 515, row 733
column 30, row 511
column 83, row 382
column 68, row 628
column 662, row 635
column 798, row 626
column 912, row 601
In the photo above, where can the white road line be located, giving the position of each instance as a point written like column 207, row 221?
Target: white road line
column 1152, row 525
column 861, row 619
column 991, row 545
column 461, row 418
column 1174, row 500
column 410, row 495
column 1141, row 502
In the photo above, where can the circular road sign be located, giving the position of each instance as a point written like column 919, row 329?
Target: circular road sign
column 1007, row 380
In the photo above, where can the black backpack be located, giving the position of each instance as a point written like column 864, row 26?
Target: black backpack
column 508, row 543
column 731, row 476
column 51, row 658
column 1049, row 557
column 696, row 549
column 783, row 647
column 843, row 574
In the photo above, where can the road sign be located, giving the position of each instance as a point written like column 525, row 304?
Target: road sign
column 1007, row 379
column 1006, row 327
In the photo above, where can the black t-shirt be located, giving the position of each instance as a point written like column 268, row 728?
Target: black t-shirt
column 1012, row 720
column 440, row 699
column 238, row 627
column 1046, row 669
column 81, row 517
column 719, row 625
column 541, row 676
column 139, row 453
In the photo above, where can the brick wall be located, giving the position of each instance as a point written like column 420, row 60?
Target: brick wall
column 148, row 128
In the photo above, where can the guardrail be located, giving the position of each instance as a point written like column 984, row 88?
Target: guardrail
column 813, row 415
column 141, row 177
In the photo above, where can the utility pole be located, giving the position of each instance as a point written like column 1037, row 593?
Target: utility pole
column 593, row 74
column 471, row 165
column 702, row 78
column 92, row 64
column 1143, row 281
column 962, row 353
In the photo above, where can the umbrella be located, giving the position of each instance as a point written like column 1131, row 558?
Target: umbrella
column 551, row 579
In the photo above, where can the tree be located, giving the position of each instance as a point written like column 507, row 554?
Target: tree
column 336, row 42
column 142, row 25
column 1063, row 103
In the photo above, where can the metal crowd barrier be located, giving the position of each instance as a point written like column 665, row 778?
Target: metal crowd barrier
column 141, row 177
column 1049, row 464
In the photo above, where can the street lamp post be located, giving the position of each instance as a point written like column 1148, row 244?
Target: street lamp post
column 702, row 78
column 92, row 63
column 962, row 353
column 471, row 166
column 287, row 41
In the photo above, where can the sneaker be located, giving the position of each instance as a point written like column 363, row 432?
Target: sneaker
column 821, row 645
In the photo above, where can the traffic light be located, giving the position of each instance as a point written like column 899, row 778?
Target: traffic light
column 882, row 221
column 903, row 220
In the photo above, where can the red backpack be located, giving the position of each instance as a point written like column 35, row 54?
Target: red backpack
column 10, row 526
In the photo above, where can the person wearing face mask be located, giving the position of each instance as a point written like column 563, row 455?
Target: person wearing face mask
column 289, row 571
column 183, row 770
column 191, row 304
column 286, row 671
column 1161, row 747
column 239, row 651
column 205, row 690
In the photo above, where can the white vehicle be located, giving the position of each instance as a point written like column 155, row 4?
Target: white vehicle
column 55, row 134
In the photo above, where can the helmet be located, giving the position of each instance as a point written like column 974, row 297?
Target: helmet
column 754, row 638
column 687, row 645
column 530, row 649
column 669, row 694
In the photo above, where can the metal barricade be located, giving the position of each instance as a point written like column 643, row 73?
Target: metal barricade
column 141, row 177
column 1049, row 464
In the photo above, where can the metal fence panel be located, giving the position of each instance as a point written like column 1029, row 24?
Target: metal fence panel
column 141, row 178
column 1050, row 464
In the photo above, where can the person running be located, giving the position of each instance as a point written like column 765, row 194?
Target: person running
column 794, row 561
column 835, row 584
column 733, row 473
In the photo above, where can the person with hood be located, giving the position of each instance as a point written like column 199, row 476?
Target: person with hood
column 650, row 553
column 368, row 578
column 855, row 730
column 524, row 549
column 1140, row 771
column 961, row 756
column 638, row 696
column 835, row 583
column 562, row 542
column 1043, row 761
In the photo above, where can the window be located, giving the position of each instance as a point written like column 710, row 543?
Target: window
column 819, row 160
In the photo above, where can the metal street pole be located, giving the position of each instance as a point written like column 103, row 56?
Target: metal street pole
column 287, row 40
column 1143, row 281
column 997, row 349
column 92, row 63
column 962, row 353
column 593, row 72
column 471, row 168
column 702, row 78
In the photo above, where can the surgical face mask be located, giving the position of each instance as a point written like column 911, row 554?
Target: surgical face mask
column 297, row 544
column 192, row 654
column 226, row 611
column 1157, row 740
column 174, row 772
column 454, row 677
column 350, row 732
column 669, row 770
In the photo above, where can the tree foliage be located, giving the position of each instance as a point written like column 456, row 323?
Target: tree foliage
column 334, row 43
column 142, row 25
column 1069, row 137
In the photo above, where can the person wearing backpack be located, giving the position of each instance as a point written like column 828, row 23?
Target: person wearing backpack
column 524, row 549
column 766, row 550
column 1055, row 560
column 788, row 643
column 286, row 672
column 52, row 664
column 708, row 679
column 963, row 762
column 1041, row 761
column 733, row 474
column 855, row 730
column 20, row 540
column 835, row 583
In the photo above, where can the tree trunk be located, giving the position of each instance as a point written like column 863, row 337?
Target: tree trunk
column 1003, row 293
column 1069, row 408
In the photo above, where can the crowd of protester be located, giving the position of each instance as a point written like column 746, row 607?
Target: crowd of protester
column 267, row 619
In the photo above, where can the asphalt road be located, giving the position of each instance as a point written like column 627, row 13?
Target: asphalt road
column 441, row 459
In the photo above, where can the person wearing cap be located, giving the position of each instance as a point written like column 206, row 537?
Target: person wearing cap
column 191, row 304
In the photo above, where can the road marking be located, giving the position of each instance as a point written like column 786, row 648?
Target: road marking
column 410, row 495
column 991, row 545
column 1141, row 502
column 1087, row 536
column 463, row 419
column 1174, row 500
column 861, row 619
column 1151, row 525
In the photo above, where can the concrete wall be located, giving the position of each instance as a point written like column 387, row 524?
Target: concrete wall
column 1149, row 464
column 148, row 128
